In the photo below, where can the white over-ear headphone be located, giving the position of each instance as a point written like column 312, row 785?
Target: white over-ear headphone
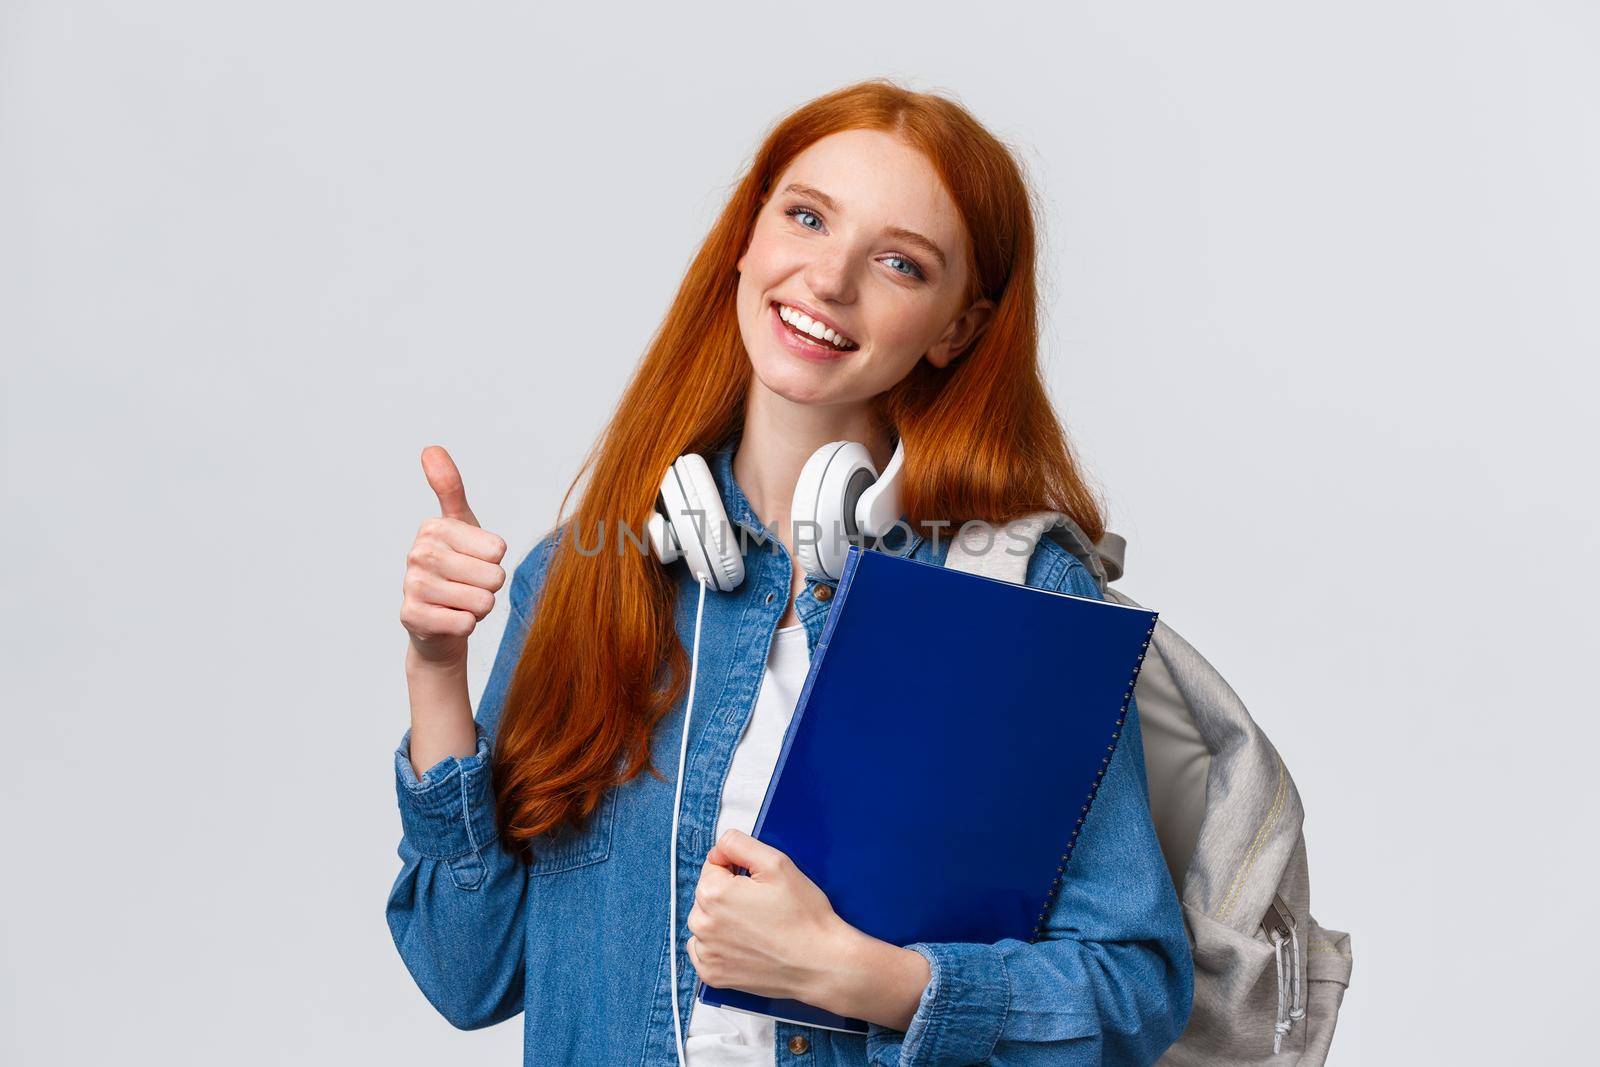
column 839, row 497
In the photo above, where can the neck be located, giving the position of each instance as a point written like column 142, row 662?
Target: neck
column 779, row 435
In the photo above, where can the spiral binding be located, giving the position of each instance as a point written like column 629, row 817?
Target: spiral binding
column 1099, row 776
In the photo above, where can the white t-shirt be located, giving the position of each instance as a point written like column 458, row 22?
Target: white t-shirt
column 718, row 1037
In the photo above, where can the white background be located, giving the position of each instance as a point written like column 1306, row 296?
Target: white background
column 1320, row 297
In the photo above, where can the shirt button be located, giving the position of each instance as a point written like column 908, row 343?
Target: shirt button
column 798, row 1043
column 824, row 593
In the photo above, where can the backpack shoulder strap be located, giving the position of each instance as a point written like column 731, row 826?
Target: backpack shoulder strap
column 1112, row 549
column 1003, row 552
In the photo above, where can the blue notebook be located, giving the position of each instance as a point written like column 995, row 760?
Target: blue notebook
column 945, row 713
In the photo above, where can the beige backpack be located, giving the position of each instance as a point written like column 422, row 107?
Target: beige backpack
column 1268, row 978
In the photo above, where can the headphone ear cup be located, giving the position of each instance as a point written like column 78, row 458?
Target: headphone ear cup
column 822, row 516
column 663, row 542
column 878, row 508
column 703, row 532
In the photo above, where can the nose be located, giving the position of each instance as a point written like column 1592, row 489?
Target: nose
column 830, row 274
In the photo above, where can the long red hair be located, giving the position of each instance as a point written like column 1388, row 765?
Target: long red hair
column 602, row 663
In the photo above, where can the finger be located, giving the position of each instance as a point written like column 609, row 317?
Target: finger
column 735, row 847
column 435, row 621
column 464, row 537
column 426, row 589
column 453, row 565
column 694, row 954
column 711, row 872
column 445, row 481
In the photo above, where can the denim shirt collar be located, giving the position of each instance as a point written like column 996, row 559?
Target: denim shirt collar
column 901, row 540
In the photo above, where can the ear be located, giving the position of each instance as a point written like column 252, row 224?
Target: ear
column 961, row 333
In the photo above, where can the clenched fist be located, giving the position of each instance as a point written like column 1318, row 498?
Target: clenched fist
column 452, row 571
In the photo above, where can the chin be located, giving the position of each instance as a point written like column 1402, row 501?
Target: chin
column 796, row 382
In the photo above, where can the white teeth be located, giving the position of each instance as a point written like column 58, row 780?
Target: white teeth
column 805, row 323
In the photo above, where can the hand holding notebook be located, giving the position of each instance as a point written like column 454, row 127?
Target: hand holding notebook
column 917, row 736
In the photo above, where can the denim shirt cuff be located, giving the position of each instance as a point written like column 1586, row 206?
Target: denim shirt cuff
column 449, row 811
column 960, row 1016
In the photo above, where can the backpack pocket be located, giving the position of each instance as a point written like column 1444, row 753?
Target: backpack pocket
column 1236, row 1007
column 1328, row 964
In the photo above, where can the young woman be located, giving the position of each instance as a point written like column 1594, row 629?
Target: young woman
column 896, row 234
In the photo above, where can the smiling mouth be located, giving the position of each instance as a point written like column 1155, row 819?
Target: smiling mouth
column 822, row 344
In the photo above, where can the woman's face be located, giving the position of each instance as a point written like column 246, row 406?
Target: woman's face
column 859, row 234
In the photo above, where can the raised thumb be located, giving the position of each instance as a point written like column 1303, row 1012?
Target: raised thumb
column 445, row 481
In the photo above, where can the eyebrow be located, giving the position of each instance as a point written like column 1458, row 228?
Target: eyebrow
column 899, row 233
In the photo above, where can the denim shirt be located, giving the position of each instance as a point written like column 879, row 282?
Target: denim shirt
column 577, row 941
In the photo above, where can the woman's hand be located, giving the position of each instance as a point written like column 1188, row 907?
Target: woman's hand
column 772, row 933
column 452, row 571
column 775, row 934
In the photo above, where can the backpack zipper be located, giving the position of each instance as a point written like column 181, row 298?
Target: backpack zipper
column 1279, row 926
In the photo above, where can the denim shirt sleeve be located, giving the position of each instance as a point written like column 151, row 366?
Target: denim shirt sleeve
column 1111, row 980
column 456, row 909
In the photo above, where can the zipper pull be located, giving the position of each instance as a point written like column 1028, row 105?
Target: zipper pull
column 1279, row 926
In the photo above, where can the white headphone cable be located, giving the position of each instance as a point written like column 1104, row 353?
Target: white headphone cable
column 677, row 798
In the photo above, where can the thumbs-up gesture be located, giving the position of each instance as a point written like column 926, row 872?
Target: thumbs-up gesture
column 452, row 571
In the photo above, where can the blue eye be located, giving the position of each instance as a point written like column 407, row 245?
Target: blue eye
column 915, row 272
column 795, row 211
